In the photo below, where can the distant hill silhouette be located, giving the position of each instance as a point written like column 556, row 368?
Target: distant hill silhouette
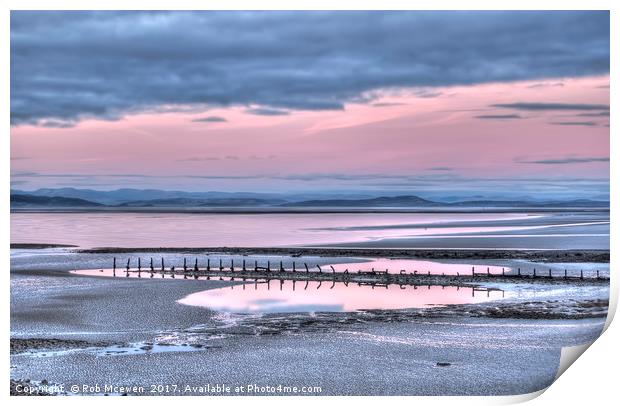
column 396, row 201
column 120, row 199
column 44, row 201
column 415, row 201
column 216, row 202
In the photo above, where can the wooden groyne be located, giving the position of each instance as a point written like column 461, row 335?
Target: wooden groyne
column 304, row 272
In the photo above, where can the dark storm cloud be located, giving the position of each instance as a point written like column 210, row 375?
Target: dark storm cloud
column 499, row 117
column 210, row 119
column 552, row 106
column 66, row 66
column 564, row 161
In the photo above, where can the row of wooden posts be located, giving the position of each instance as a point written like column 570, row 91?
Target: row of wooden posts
column 195, row 271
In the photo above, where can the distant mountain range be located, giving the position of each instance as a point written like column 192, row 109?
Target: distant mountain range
column 415, row 201
column 126, row 195
column 396, row 201
column 215, row 202
column 20, row 200
column 133, row 198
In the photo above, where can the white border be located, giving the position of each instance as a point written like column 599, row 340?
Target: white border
column 591, row 381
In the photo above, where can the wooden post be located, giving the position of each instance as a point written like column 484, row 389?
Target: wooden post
column 473, row 273
column 333, row 270
column 114, row 267
column 534, row 272
column 519, row 271
column 208, row 265
column 488, row 272
column 503, row 272
column 255, row 266
column 221, row 267
column 139, row 268
column 306, row 265
column 320, row 270
column 232, row 265
column 152, row 269
column 196, row 268
column 581, row 276
column 281, row 268
column 268, row 266
column 597, row 274
column 294, row 266
column 244, row 265
column 184, row 268
column 549, row 272
column 565, row 273
column 162, row 267
column 127, row 273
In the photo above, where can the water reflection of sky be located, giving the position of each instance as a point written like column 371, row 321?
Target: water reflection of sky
column 457, row 230
column 289, row 297
column 365, row 265
column 207, row 229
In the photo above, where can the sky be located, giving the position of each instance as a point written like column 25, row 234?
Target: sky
column 437, row 104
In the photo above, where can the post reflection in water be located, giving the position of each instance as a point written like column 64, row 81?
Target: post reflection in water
column 333, row 296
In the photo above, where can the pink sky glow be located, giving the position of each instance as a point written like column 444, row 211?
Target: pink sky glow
column 426, row 134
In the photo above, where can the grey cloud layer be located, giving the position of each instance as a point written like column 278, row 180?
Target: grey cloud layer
column 66, row 66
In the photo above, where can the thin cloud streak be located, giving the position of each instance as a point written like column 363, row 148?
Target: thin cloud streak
column 564, row 161
column 499, row 117
column 210, row 119
column 576, row 123
column 551, row 106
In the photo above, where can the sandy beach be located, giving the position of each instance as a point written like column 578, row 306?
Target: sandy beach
column 87, row 330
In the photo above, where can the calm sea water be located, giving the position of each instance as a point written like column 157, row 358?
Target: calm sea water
column 451, row 230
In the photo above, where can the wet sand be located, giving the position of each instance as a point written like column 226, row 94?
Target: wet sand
column 117, row 328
